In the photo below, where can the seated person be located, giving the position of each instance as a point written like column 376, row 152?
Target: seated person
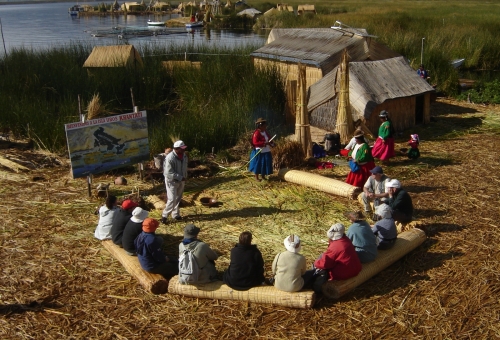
column 340, row 259
column 106, row 214
column 400, row 202
column 122, row 216
column 422, row 72
column 132, row 229
column 361, row 236
column 374, row 190
column 151, row 256
column 246, row 269
column 289, row 266
column 385, row 228
column 205, row 257
column 352, row 143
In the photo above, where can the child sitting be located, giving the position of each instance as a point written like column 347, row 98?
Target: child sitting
column 414, row 153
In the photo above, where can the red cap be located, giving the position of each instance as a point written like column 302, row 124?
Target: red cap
column 129, row 204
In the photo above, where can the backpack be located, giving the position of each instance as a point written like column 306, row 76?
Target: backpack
column 188, row 267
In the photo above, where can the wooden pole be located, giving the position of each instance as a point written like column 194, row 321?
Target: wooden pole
column 302, row 128
column 3, row 40
column 89, row 185
column 133, row 101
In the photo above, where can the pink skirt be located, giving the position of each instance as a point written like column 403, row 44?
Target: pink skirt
column 359, row 178
column 383, row 151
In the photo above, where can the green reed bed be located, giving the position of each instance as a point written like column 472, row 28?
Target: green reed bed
column 207, row 107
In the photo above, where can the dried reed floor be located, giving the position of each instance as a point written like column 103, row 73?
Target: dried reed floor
column 57, row 281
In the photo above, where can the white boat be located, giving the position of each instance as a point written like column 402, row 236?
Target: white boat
column 456, row 63
column 75, row 10
column 194, row 24
column 156, row 23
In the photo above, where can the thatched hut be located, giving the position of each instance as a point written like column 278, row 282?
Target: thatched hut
column 284, row 7
column 320, row 49
column 303, row 9
column 389, row 84
column 131, row 6
column 113, row 57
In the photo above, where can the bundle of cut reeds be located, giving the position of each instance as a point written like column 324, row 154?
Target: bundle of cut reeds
column 260, row 294
column 329, row 185
column 406, row 242
column 344, row 125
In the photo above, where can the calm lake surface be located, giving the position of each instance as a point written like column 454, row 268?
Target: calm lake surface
column 46, row 25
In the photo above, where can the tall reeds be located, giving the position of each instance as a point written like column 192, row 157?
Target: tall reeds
column 207, row 107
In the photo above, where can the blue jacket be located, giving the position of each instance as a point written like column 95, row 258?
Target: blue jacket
column 149, row 252
column 363, row 239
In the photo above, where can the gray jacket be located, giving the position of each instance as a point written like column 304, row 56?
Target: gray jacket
column 205, row 258
column 174, row 168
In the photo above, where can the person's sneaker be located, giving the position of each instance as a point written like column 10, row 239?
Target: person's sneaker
column 164, row 220
column 178, row 218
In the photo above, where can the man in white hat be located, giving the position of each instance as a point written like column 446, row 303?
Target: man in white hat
column 175, row 172
column 400, row 202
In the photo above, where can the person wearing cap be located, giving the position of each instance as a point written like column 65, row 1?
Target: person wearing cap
column 289, row 267
column 385, row 228
column 151, row 256
column 340, row 259
column 352, row 143
column 122, row 216
column 204, row 255
column 132, row 229
column 360, row 154
column 261, row 160
column 383, row 148
column 362, row 237
column 175, row 172
column 374, row 190
column 106, row 215
column 246, row 269
column 400, row 202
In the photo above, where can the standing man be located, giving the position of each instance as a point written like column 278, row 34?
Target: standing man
column 175, row 172
column 400, row 202
column 374, row 190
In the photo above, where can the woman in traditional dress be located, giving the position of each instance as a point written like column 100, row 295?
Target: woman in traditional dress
column 362, row 156
column 352, row 143
column 384, row 145
column 261, row 160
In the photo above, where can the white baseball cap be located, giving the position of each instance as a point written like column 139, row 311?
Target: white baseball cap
column 180, row 144
column 393, row 183
column 336, row 231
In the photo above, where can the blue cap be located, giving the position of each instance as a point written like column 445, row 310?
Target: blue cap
column 377, row 170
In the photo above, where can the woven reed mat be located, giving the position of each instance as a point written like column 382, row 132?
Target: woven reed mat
column 261, row 294
column 406, row 242
column 329, row 185
column 153, row 283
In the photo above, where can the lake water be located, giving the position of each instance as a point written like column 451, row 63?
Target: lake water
column 47, row 25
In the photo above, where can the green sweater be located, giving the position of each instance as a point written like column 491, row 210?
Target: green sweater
column 384, row 131
column 363, row 155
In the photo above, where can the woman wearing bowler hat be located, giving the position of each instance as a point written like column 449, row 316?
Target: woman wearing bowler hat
column 261, row 160
column 383, row 148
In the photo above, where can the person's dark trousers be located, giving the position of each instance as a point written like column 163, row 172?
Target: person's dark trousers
column 167, row 269
column 398, row 216
column 314, row 279
column 384, row 245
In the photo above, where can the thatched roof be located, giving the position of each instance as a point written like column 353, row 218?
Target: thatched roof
column 370, row 84
column 305, row 9
column 321, row 47
column 113, row 56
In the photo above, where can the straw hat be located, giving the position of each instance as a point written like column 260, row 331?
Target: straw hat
column 260, row 121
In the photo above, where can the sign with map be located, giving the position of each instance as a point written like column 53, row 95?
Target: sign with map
column 103, row 144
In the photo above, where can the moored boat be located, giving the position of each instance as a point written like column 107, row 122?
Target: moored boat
column 194, row 24
column 456, row 63
column 75, row 10
column 156, row 23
